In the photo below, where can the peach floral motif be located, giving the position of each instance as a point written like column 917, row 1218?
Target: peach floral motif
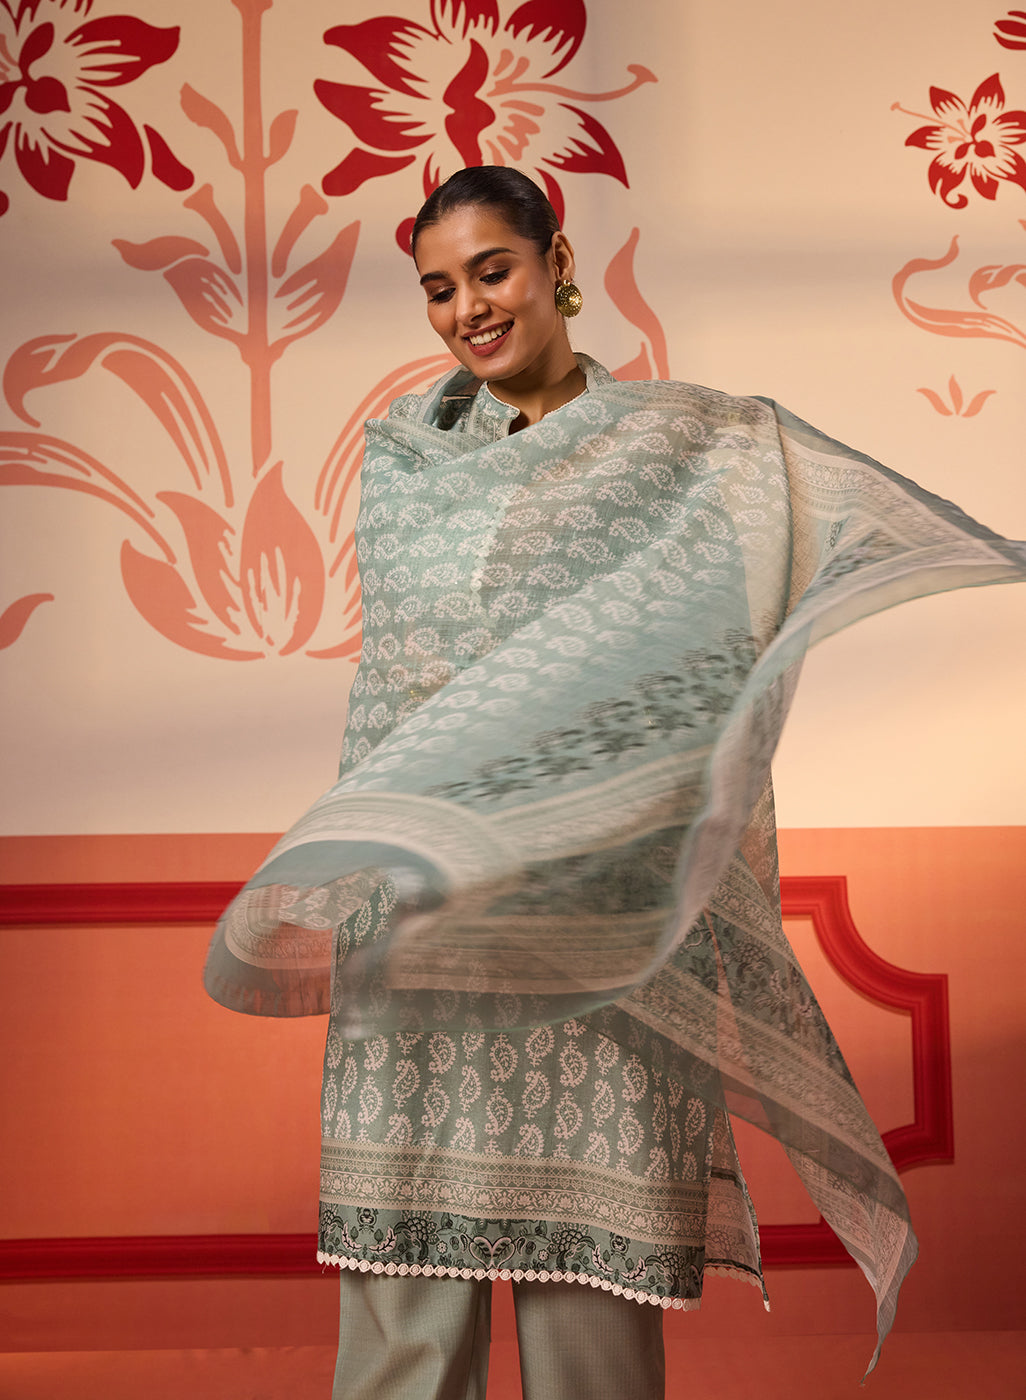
column 14, row 617
column 228, row 559
column 956, row 399
column 54, row 68
column 470, row 89
column 976, row 320
column 975, row 140
column 235, row 579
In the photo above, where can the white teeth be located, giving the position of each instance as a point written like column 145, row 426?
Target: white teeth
column 486, row 336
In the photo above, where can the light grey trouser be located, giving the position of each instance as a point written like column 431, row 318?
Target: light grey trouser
column 427, row 1339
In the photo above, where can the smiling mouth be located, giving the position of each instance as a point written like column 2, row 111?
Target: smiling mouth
column 486, row 337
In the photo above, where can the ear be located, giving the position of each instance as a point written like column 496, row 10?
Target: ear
column 562, row 256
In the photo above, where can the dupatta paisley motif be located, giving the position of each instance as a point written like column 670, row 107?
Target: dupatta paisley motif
column 580, row 645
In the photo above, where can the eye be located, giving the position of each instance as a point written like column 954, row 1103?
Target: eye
column 492, row 279
column 444, row 295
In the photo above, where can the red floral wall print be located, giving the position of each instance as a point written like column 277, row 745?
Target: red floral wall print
column 55, row 68
column 240, row 560
column 1011, row 32
column 976, row 146
column 471, row 87
column 977, row 139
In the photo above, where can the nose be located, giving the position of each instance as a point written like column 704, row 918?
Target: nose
column 470, row 304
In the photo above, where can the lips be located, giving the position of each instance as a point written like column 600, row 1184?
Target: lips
column 495, row 341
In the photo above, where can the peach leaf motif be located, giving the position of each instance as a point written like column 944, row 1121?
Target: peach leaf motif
column 282, row 572
column 313, row 293
column 959, row 408
column 158, row 253
column 14, row 618
column 151, row 374
column 208, row 538
column 974, row 321
column 309, row 205
column 993, row 277
column 622, row 286
column 34, row 459
column 279, row 138
column 203, row 203
column 162, row 598
column 211, row 296
column 208, row 115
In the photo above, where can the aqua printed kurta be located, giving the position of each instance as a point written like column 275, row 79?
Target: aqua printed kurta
column 542, row 898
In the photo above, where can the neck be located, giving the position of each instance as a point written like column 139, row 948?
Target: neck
column 536, row 394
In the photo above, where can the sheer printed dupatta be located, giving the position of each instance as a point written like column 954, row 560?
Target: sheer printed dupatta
column 563, row 811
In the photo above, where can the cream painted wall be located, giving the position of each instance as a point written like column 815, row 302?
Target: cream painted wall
column 776, row 200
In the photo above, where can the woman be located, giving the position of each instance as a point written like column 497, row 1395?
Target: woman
column 551, row 853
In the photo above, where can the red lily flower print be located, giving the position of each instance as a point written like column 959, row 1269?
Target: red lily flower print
column 975, row 140
column 1011, row 32
column 466, row 90
column 53, row 67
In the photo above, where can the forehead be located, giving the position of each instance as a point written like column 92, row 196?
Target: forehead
column 462, row 233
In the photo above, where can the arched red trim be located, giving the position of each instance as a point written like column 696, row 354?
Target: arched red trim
column 924, row 995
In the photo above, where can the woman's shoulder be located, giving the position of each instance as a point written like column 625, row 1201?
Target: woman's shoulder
column 676, row 395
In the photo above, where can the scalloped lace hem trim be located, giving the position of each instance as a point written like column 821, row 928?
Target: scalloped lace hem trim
column 638, row 1295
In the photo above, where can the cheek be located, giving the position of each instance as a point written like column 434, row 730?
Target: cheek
column 437, row 318
column 541, row 300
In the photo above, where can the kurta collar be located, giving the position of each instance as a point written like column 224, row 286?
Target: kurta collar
column 471, row 407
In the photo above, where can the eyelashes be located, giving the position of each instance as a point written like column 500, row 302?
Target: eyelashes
column 490, row 279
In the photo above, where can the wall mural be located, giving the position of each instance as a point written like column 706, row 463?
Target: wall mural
column 975, row 151
column 243, row 559
column 227, row 560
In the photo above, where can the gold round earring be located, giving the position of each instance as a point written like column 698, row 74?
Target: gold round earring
column 568, row 298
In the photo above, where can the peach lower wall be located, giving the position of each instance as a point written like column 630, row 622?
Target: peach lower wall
column 140, row 1107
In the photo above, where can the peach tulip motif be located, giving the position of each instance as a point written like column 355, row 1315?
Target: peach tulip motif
column 56, row 64
column 470, row 88
column 956, row 405
column 242, row 561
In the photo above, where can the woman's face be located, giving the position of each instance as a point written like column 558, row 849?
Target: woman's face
column 490, row 296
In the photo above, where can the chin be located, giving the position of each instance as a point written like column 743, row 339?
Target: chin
column 484, row 369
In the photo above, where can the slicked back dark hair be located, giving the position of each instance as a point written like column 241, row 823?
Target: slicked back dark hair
column 519, row 201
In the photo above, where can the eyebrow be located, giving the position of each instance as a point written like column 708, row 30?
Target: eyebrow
column 469, row 266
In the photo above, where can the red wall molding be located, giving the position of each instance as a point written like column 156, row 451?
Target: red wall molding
column 821, row 898
column 198, row 902
column 923, row 995
column 159, row 1256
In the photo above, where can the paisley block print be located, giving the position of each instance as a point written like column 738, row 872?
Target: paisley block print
column 552, row 1152
column 650, row 1217
column 559, row 960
